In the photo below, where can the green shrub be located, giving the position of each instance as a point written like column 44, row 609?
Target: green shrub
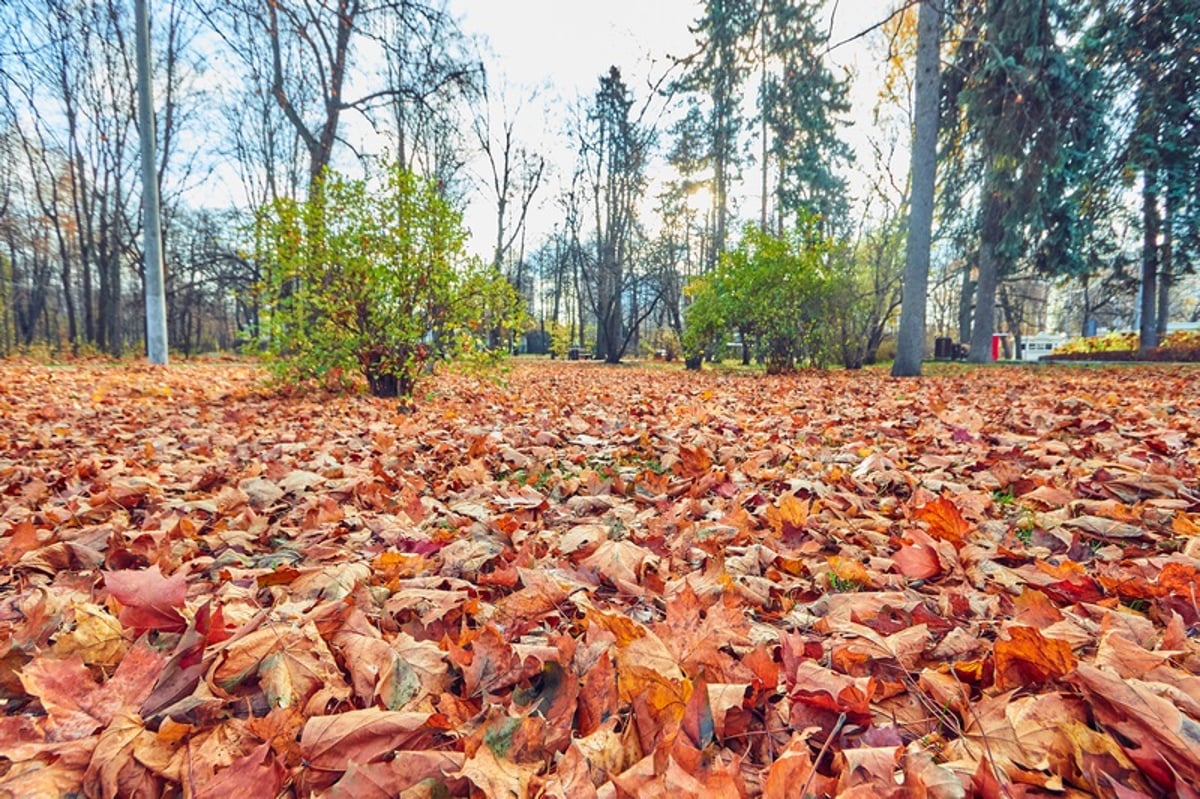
column 705, row 326
column 560, row 339
column 775, row 291
column 375, row 278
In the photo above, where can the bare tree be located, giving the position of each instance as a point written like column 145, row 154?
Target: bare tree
column 614, row 146
column 514, row 176
column 314, row 75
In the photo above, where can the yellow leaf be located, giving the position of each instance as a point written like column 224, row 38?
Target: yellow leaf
column 97, row 637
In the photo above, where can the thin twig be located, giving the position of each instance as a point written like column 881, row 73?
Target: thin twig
column 872, row 28
column 837, row 728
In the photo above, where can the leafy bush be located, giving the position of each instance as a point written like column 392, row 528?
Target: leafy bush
column 773, row 290
column 1181, row 345
column 1109, row 342
column 560, row 339
column 375, row 278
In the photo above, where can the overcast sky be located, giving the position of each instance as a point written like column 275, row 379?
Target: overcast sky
column 561, row 47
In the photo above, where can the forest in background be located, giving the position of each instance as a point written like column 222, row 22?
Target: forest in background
column 1067, row 166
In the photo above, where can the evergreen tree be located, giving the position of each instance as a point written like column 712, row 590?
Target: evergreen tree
column 800, row 100
column 1019, row 117
column 1148, row 54
column 715, row 74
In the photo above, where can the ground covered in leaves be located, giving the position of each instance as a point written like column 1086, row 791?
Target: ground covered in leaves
column 584, row 581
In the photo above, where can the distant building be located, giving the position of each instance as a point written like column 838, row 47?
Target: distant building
column 1034, row 346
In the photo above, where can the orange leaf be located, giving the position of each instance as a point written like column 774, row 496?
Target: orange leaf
column 257, row 774
column 331, row 743
column 1180, row 579
column 624, row 629
column 1028, row 657
column 21, row 538
column 788, row 516
column 792, row 769
column 849, row 570
column 1034, row 609
column 696, row 461
column 281, row 576
column 1184, row 525
column 945, row 520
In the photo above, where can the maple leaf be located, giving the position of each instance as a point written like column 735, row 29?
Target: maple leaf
column 97, row 637
column 695, row 630
column 917, row 561
column 788, row 516
column 398, row 773
column 814, row 686
column 793, row 771
column 56, row 683
column 115, row 770
column 498, row 777
column 621, row 562
column 291, row 665
column 659, row 704
column 694, row 461
column 1027, row 656
column 923, row 776
column 76, row 705
column 56, row 772
column 867, row 766
column 258, row 773
column 20, row 539
column 149, row 601
column 332, row 743
column 1132, row 708
column 945, row 520
column 494, row 663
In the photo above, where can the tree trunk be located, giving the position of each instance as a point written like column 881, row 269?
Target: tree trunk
column 1166, row 267
column 1013, row 319
column 766, row 150
column 966, row 302
column 83, row 213
column 1148, row 329
column 558, row 278
column 580, row 307
column 911, row 338
column 155, row 297
column 991, row 231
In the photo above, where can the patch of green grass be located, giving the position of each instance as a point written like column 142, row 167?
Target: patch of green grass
column 644, row 464
column 842, row 586
column 1004, row 497
column 1026, row 526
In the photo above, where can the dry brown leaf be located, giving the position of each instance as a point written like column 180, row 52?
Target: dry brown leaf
column 632, row 582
